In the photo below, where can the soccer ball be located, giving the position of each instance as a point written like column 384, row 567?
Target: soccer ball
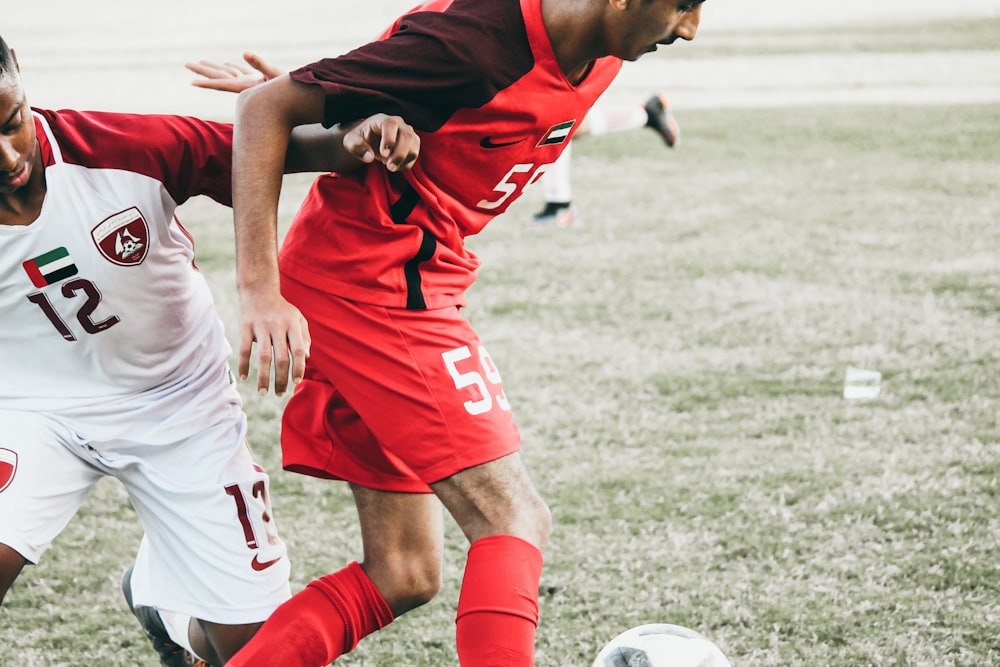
column 660, row 645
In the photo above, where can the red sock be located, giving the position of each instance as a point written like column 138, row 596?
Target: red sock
column 320, row 623
column 498, row 605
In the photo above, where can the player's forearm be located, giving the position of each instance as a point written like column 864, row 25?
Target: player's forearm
column 260, row 141
column 315, row 148
column 266, row 115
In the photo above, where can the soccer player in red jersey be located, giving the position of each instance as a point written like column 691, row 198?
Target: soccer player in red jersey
column 400, row 398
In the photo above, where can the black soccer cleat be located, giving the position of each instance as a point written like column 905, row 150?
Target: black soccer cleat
column 560, row 214
column 171, row 655
column 661, row 120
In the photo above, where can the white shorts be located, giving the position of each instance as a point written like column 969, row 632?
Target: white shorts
column 210, row 548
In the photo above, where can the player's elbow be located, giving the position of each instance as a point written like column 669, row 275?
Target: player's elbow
column 282, row 101
column 250, row 103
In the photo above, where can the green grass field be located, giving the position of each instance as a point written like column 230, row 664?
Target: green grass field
column 676, row 365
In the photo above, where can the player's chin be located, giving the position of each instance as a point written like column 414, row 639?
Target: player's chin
column 632, row 56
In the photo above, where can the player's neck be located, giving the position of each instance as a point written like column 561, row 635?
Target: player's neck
column 571, row 30
column 23, row 206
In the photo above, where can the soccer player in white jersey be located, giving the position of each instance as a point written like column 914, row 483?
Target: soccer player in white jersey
column 115, row 363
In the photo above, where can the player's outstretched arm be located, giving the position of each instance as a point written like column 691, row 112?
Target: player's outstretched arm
column 233, row 77
column 266, row 114
column 388, row 139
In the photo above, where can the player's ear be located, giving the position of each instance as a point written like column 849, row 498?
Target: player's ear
column 619, row 4
column 17, row 65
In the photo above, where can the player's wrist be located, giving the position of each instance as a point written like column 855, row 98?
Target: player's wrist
column 257, row 285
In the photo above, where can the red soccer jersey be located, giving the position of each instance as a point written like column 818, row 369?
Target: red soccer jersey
column 481, row 84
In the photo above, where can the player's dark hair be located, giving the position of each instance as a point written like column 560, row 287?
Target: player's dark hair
column 7, row 64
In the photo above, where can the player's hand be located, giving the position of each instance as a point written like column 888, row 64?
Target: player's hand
column 232, row 77
column 388, row 139
column 282, row 337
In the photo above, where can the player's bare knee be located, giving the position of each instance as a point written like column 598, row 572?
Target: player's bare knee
column 406, row 580
column 546, row 523
column 416, row 592
column 420, row 578
column 531, row 517
column 539, row 521
column 528, row 518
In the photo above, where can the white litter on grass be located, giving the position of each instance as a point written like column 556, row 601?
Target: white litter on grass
column 861, row 384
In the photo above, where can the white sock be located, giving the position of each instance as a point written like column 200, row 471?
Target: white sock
column 616, row 119
column 557, row 183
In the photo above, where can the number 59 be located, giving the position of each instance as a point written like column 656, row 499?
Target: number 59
column 474, row 378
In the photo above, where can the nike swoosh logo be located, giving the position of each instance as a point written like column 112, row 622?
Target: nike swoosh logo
column 259, row 566
column 486, row 142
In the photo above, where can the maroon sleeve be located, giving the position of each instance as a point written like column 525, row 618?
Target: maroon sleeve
column 436, row 62
column 188, row 155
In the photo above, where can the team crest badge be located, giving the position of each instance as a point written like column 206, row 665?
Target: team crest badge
column 8, row 466
column 123, row 238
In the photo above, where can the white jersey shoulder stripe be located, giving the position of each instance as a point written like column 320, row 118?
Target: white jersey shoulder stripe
column 56, row 150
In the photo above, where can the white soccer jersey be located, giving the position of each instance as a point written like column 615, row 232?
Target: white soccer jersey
column 106, row 321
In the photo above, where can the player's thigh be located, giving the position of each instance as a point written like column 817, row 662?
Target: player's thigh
column 496, row 498
column 400, row 526
column 42, row 481
column 211, row 548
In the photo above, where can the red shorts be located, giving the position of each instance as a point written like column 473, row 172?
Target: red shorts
column 392, row 399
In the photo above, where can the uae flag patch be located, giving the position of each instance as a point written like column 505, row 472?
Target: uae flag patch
column 50, row 267
column 557, row 134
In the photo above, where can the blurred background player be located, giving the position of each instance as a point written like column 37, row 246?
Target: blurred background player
column 557, row 186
